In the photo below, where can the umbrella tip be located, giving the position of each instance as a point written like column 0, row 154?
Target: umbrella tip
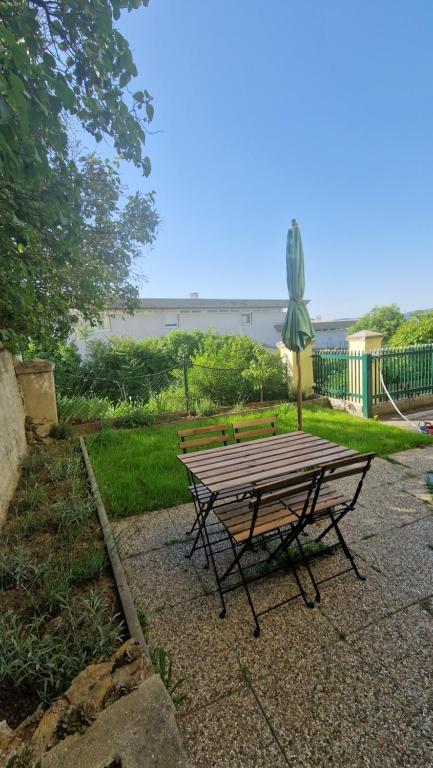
column 294, row 223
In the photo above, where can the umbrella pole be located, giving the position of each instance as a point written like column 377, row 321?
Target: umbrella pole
column 299, row 390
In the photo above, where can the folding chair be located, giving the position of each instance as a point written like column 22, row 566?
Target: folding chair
column 266, row 512
column 201, row 437
column 331, row 504
column 246, row 430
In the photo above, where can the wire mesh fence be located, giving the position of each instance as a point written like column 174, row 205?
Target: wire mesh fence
column 186, row 388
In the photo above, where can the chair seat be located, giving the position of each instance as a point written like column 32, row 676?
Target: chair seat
column 202, row 494
column 236, row 517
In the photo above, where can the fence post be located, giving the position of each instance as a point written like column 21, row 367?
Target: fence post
column 364, row 343
column 306, row 358
column 367, row 409
column 185, row 383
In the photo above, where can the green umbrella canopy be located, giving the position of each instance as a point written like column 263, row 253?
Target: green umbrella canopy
column 297, row 330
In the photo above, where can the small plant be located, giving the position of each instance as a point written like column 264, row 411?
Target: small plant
column 48, row 660
column 143, row 618
column 32, row 496
column 87, row 565
column 30, row 523
column 205, row 406
column 64, row 467
column 33, row 462
column 72, row 514
column 61, row 431
column 55, row 585
column 244, row 672
column 16, row 568
column 164, row 667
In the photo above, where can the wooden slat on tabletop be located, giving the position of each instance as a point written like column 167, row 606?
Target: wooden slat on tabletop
column 323, row 452
column 246, row 450
column 244, row 462
column 237, row 447
column 256, row 474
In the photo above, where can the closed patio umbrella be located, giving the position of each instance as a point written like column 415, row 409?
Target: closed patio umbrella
column 297, row 329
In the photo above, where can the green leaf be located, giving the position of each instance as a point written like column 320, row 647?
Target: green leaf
column 149, row 111
column 138, row 96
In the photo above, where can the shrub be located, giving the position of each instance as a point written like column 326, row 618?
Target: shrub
column 170, row 402
column 61, row 431
column 82, row 409
column 205, row 407
column 138, row 417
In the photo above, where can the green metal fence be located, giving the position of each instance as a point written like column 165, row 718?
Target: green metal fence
column 407, row 372
column 356, row 376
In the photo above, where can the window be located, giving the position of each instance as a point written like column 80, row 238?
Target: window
column 246, row 318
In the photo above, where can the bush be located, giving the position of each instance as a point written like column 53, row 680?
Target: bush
column 81, row 409
column 205, row 407
column 138, row 417
column 61, row 431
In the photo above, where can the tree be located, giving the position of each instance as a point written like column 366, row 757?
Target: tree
column 55, row 273
column 418, row 329
column 59, row 61
column 382, row 319
column 66, row 244
column 266, row 370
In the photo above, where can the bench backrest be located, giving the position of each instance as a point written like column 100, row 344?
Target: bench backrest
column 215, row 434
column 246, row 430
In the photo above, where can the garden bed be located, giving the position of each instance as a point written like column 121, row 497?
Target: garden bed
column 58, row 603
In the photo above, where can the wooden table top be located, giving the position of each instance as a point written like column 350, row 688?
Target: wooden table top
column 231, row 466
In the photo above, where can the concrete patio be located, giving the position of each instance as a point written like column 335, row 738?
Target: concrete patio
column 347, row 683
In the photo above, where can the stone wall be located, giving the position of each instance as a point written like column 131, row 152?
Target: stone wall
column 13, row 445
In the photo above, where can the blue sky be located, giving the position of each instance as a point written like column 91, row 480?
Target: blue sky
column 270, row 110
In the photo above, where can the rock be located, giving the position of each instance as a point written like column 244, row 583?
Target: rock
column 92, row 686
column 98, row 690
column 4, row 729
column 45, row 735
column 137, row 731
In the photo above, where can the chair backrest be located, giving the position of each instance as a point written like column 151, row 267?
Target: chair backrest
column 215, row 434
column 342, row 468
column 245, row 430
column 296, row 485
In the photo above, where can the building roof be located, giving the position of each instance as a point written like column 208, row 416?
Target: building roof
column 327, row 325
column 210, row 304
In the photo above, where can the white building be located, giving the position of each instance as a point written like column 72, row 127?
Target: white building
column 261, row 319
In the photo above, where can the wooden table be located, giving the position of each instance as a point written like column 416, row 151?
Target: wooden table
column 232, row 466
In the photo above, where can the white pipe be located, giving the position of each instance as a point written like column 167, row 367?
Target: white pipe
column 394, row 405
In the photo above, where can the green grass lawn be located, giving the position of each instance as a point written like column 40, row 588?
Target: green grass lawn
column 137, row 470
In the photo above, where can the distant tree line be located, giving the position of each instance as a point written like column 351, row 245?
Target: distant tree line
column 397, row 331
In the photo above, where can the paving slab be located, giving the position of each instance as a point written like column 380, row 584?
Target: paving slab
column 383, row 472
column 331, row 711
column 289, row 634
column 349, row 603
column 136, row 535
column 420, row 460
column 162, row 578
column 230, row 732
column 191, row 634
column 405, row 556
